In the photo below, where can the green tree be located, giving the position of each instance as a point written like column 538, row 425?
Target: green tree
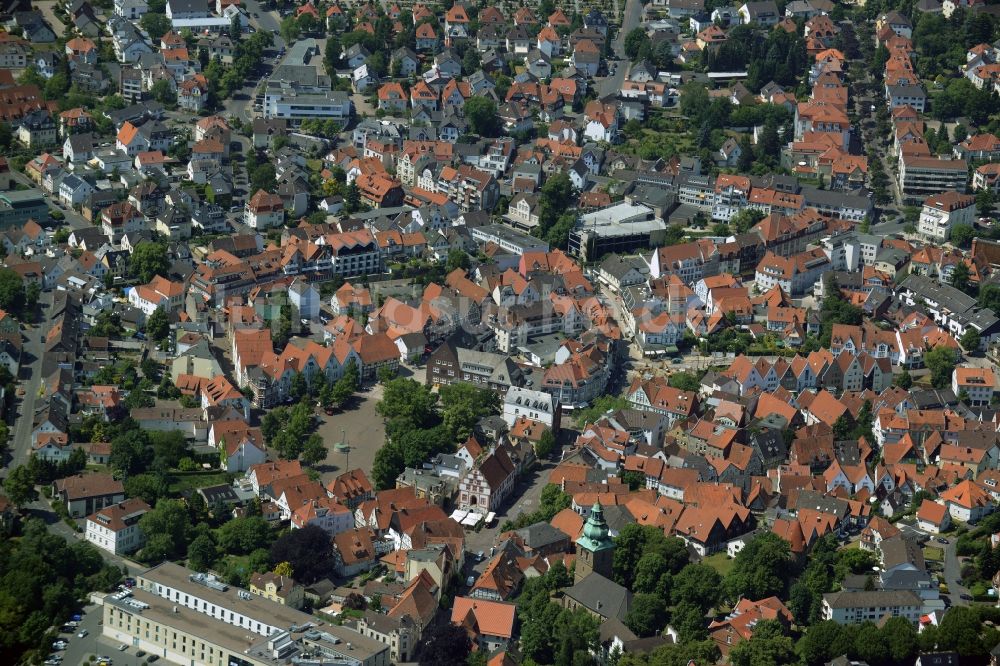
column 985, row 202
column 961, row 235
column 598, row 408
column 148, row 260
column 162, row 92
column 761, row 569
column 546, row 444
column 768, row 645
column 167, row 527
column 989, row 297
column 386, row 466
column 290, row 30
column 960, row 277
column 685, row 381
column 463, row 404
column 823, row 642
column 457, row 259
column 961, row 630
column 647, row 615
column 636, row 41
column 19, row 486
column 970, row 340
column 555, row 197
column 746, row 159
column 158, row 326
column 481, row 114
column 941, row 362
column 650, row 574
column 352, row 198
column 900, row 637
column 745, row 219
column 130, row 453
column 407, row 399
column 699, row 586
column 242, row 536
column 263, row 177
column 12, row 296
column 155, row 25
column 903, row 380
column 148, row 487
column 314, row 450
column 201, row 554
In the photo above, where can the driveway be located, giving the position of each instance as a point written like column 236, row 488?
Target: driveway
column 953, row 573
column 46, row 7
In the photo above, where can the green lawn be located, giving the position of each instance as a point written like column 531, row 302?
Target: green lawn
column 852, row 544
column 181, row 481
column 720, row 562
column 933, row 554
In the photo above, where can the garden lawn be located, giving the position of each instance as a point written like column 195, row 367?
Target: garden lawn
column 933, row 554
column 720, row 562
column 181, row 481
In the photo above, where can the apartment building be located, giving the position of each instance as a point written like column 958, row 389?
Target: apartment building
column 859, row 607
column 942, row 212
column 920, row 177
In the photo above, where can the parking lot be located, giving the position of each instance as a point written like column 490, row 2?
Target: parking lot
column 79, row 650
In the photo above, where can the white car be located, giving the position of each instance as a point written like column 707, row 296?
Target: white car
column 82, row 634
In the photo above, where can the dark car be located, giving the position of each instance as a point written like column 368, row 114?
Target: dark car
column 965, row 597
column 942, row 540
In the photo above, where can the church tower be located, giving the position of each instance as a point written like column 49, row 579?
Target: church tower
column 595, row 550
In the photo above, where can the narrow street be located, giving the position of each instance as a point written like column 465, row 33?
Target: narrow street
column 611, row 85
column 31, row 377
column 953, row 573
column 71, row 217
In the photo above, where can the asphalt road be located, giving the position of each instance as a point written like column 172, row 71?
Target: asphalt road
column 71, row 217
column 31, row 377
column 953, row 573
column 267, row 21
column 612, row 85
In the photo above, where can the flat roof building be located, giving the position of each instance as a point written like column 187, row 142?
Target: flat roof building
column 621, row 228
column 507, row 238
column 190, row 618
column 17, row 207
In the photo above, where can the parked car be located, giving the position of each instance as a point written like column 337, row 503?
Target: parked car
column 942, row 540
column 965, row 597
